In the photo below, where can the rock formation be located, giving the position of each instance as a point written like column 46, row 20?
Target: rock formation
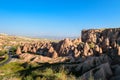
column 18, row 51
column 97, row 53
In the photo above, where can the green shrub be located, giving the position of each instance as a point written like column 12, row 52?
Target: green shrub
column 13, row 49
column 3, row 52
column 91, row 45
column 28, row 78
column 11, row 68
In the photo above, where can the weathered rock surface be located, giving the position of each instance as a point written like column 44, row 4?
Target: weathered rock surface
column 101, row 72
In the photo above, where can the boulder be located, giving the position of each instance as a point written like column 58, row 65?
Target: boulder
column 86, row 49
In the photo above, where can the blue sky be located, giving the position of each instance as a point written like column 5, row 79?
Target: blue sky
column 57, row 17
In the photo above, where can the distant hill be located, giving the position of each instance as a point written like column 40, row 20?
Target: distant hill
column 54, row 37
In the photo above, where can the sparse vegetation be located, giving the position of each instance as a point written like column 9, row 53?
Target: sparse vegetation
column 14, row 71
column 8, row 71
column 13, row 49
column 3, row 52
column 6, row 58
column 25, row 71
column 92, row 45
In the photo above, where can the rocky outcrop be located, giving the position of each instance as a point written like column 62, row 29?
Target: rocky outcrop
column 93, row 42
column 25, row 48
column 86, row 50
column 52, row 53
column 65, row 47
column 34, row 58
column 26, row 57
column 98, row 35
column 106, row 39
column 96, row 53
column 18, row 51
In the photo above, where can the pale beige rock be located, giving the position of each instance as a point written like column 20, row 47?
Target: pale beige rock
column 18, row 51
column 65, row 46
column 100, row 50
column 25, row 49
column 118, row 50
column 55, row 55
column 86, row 49
column 34, row 50
column 97, row 48
column 107, row 42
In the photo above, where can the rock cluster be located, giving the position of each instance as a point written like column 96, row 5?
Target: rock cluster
column 98, row 50
column 107, row 40
column 64, row 47
column 92, row 43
